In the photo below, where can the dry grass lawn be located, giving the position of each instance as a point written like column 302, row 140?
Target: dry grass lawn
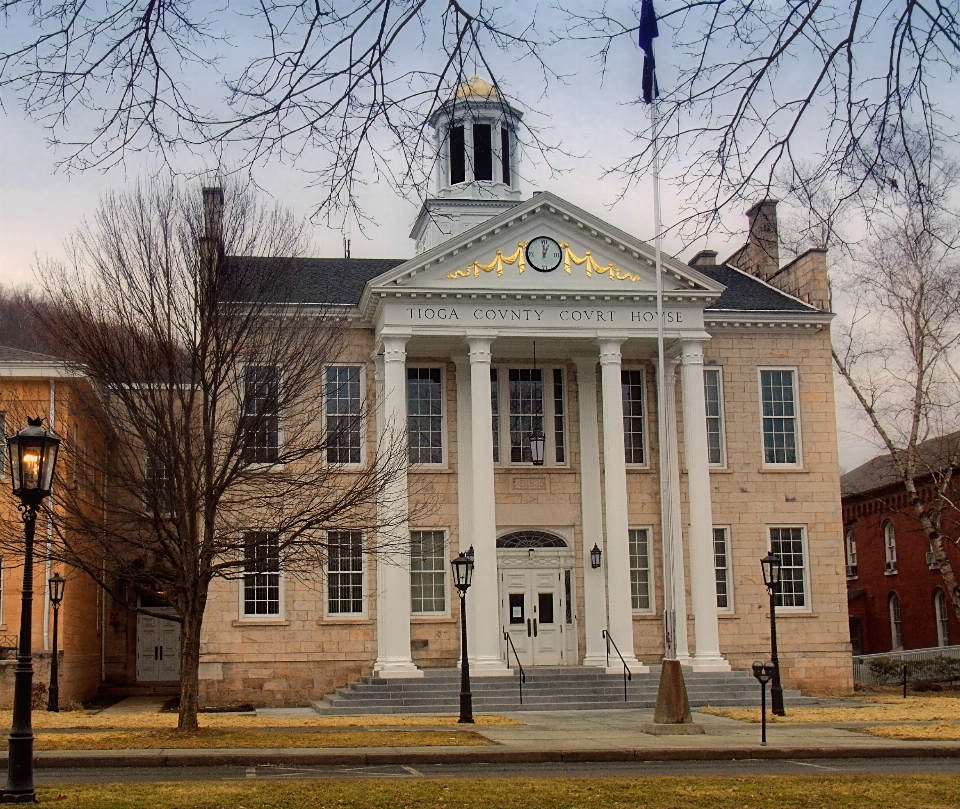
column 784, row 792
column 209, row 738
column 943, row 732
column 88, row 720
column 919, row 708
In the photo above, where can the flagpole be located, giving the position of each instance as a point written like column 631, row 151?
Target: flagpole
column 666, row 505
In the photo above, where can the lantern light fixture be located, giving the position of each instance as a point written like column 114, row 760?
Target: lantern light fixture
column 771, row 566
column 595, row 556
column 33, row 457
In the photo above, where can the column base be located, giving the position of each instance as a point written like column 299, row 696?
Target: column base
column 635, row 666
column 715, row 664
column 396, row 669
column 489, row 667
column 597, row 662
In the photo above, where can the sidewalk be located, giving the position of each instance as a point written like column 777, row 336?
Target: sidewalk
column 556, row 736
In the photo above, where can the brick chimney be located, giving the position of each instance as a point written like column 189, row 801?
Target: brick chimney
column 705, row 258
column 760, row 256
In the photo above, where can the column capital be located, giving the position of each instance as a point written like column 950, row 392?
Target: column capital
column 480, row 347
column 691, row 352
column 610, row 350
column 394, row 347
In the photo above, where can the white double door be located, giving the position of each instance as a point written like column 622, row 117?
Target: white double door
column 533, row 612
column 158, row 649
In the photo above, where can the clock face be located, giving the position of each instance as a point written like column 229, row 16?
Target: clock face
column 544, row 254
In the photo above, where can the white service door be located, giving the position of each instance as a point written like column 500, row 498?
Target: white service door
column 158, row 649
column 532, row 612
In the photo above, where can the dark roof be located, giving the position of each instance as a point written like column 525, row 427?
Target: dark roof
column 323, row 280
column 8, row 354
column 933, row 455
column 744, row 293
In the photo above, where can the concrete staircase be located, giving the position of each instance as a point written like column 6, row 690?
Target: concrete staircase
column 546, row 689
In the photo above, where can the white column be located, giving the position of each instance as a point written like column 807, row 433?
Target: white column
column 591, row 497
column 483, row 597
column 393, row 537
column 617, row 549
column 464, row 474
column 670, row 510
column 703, row 592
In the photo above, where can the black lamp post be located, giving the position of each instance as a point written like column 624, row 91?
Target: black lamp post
column 462, row 578
column 763, row 672
column 56, row 583
column 33, row 456
column 771, row 578
column 595, row 556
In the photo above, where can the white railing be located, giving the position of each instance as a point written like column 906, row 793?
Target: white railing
column 865, row 675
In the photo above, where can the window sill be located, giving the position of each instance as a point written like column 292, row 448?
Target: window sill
column 794, row 612
column 781, row 470
column 429, row 469
column 432, row 618
column 648, row 616
column 720, row 470
column 262, row 466
column 260, row 622
column 640, row 469
column 346, row 619
column 727, row 614
column 890, row 572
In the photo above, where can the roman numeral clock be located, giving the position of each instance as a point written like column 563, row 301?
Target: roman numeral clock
column 544, row 254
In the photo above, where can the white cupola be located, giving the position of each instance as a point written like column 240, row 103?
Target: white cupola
column 476, row 175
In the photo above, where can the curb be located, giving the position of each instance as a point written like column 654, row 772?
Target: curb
column 389, row 756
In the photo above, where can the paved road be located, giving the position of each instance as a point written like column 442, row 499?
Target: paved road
column 889, row 766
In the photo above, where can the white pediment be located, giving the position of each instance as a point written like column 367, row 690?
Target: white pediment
column 597, row 259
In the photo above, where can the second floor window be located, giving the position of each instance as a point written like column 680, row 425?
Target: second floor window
column 890, row 547
column 261, row 574
column 631, row 382
column 779, row 413
column 343, row 412
column 851, row 544
column 261, row 413
column 713, row 398
column 425, row 415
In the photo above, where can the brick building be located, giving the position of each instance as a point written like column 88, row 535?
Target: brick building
column 897, row 598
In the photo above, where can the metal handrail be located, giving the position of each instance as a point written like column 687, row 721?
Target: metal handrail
column 523, row 677
column 627, row 674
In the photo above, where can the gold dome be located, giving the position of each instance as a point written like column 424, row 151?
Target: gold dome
column 476, row 87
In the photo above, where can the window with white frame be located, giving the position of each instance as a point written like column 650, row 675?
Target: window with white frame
column 261, row 413
column 345, row 573
column 156, row 486
column 851, row 547
column 788, row 543
column 640, row 569
column 634, row 435
column 344, row 406
column 534, row 399
column 428, row 570
column 261, row 574
column 896, row 623
column 889, row 547
column 425, row 415
column 721, row 564
column 781, row 444
column 713, row 399
column 942, row 616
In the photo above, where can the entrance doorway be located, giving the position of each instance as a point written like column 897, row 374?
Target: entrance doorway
column 536, row 598
column 158, row 648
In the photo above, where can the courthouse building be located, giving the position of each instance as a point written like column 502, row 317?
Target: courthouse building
column 521, row 315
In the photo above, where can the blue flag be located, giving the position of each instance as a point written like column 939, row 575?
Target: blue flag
column 648, row 32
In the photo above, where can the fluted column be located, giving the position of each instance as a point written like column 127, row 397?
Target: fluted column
column 703, row 592
column 483, row 596
column 591, row 497
column 617, row 551
column 670, row 510
column 393, row 536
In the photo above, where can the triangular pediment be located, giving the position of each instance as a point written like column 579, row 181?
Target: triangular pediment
column 596, row 259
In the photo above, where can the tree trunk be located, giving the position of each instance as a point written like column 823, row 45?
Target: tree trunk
column 190, row 665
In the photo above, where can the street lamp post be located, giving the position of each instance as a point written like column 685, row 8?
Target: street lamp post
column 763, row 672
column 771, row 565
column 462, row 578
column 33, row 456
column 57, row 583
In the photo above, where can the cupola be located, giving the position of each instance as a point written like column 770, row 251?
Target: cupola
column 476, row 175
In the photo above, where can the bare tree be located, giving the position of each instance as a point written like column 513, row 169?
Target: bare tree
column 221, row 461
column 898, row 350
column 19, row 328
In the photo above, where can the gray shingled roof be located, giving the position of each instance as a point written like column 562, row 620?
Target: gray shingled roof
column 877, row 473
column 335, row 281
column 8, row 354
column 340, row 281
column 744, row 293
